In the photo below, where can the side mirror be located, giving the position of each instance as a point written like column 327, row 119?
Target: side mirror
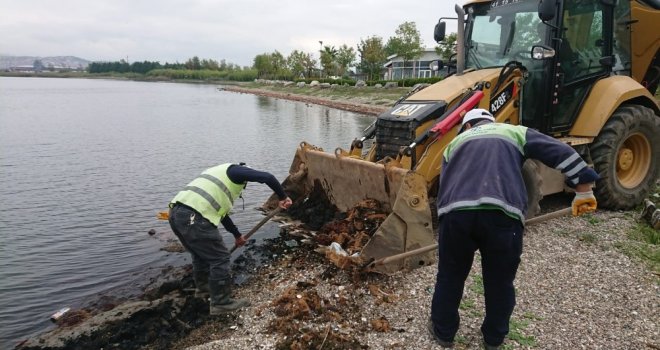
column 439, row 32
column 547, row 9
column 541, row 52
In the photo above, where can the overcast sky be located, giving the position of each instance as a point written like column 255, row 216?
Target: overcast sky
column 175, row 30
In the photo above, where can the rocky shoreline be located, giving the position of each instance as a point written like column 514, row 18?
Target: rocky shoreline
column 356, row 107
column 576, row 288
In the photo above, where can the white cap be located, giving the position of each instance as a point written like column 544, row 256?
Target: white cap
column 477, row 114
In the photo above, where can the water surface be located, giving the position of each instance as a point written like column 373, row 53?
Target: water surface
column 86, row 164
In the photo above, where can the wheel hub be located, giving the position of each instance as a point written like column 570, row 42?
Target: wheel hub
column 633, row 160
column 626, row 158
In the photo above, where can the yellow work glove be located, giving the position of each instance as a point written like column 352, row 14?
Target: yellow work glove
column 584, row 202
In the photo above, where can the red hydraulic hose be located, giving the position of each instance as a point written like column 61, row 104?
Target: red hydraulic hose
column 455, row 116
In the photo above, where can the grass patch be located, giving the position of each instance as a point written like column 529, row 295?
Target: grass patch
column 588, row 238
column 477, row 285
column 531, row 316
column 516, row 328
column 591, row 219
column 643, row 245
column 466, row 304
column 645, row 233
column 642, row 242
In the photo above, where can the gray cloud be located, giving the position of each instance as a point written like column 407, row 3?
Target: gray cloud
column 174, row 30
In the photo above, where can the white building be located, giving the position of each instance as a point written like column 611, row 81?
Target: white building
column 418, row 68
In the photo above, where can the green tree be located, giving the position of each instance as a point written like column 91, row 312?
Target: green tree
column 372, row 56
column 345, row 59
column 271, row 66
column 407, row 43
column 263, row 65
column 193, row 63
column 310, row 64
column 210, row 64
column 278, row 62
column 328, row 59
column 447, row 47
column 297, row 63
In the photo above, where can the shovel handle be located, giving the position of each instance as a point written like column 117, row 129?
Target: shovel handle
column 258, row 226
column 548, row 216
column 401, row 256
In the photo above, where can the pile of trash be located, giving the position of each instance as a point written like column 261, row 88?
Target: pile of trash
column 304, row 319
column 315, row 209
column 340, row 236
column 342, row 240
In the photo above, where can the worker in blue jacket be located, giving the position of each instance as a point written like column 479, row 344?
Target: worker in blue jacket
column 195, row 214
column 482, row 204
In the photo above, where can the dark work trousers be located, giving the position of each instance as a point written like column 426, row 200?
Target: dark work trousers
column 203, row 241
column 499, row 240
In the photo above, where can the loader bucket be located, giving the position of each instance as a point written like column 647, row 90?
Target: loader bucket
column 346, row 181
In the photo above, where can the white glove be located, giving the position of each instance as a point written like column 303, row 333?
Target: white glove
column 584, row 202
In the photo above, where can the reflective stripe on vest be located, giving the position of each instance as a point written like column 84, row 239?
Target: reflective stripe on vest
column 211, row 194
column 514, row 134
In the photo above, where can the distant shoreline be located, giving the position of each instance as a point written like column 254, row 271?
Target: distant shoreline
column 366, row 105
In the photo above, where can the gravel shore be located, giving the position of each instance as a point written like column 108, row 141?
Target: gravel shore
column 575, row 290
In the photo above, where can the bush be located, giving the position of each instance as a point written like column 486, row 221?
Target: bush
column 242, row 75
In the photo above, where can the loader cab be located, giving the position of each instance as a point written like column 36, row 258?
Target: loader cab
column 580, row 34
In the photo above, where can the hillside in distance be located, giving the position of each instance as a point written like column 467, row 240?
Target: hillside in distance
column 7, row 62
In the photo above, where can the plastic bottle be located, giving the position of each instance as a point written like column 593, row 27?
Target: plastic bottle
column 56, row 316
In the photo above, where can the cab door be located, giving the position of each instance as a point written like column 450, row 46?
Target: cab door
column 584, row 55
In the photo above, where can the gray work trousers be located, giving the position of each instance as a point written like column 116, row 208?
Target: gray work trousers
column 203, row 241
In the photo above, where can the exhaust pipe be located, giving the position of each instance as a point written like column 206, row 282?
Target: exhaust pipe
column 460, row 41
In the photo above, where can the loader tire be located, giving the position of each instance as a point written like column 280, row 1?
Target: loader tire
column 533, row 182
column 626, row 155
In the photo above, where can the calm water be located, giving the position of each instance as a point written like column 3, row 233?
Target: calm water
column 86, row 164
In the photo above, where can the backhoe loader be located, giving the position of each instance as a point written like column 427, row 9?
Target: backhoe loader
column 582, row 71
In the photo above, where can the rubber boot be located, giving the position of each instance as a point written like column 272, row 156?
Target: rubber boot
column 221, row 301
column 201, row 284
